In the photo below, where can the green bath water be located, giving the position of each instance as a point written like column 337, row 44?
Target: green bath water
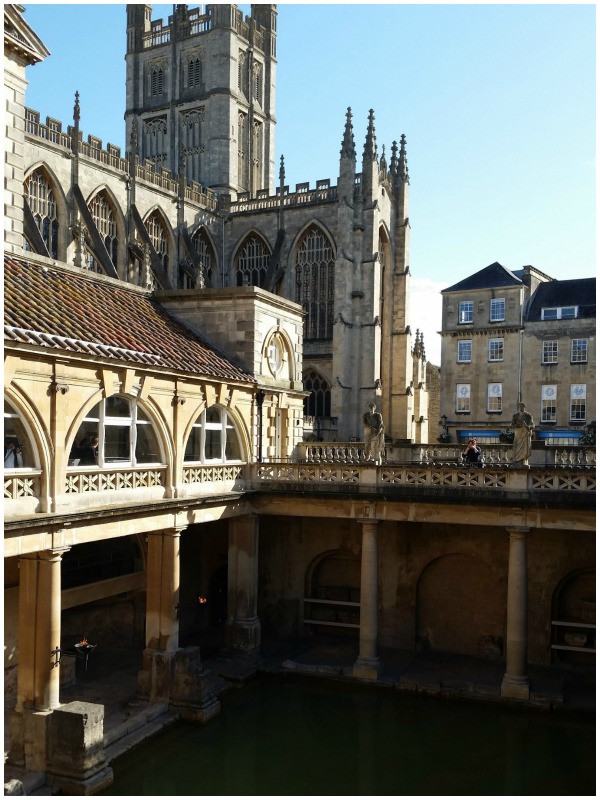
column 280, row 737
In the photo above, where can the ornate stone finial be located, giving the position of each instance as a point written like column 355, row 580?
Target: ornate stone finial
column 382, row 160
column 394, row 161
column 422, row 346
column 370, row 151
column 76, row 110
column 281, row 171
column 348, row 150
column 403, row 161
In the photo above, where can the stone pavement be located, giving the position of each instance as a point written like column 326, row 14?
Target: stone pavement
column 111, row 680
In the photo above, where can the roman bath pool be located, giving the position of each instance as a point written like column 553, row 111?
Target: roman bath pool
column 293, row 737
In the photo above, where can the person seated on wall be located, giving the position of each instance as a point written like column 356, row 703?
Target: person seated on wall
column 472, row 454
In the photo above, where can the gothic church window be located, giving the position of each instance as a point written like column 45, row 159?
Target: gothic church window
column 159, row 238
column 41, row 201
column 104, row 217
column 194, row 74
column 314, row 283
column 252, row 263
column 206, row 256
column 156, row 82
column 318, row 403
column 243, row 72
column 257, row 82
column 155, row 140
column 191, row 143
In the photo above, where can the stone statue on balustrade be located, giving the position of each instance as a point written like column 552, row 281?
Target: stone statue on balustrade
column 522, row 425
column 374, row 431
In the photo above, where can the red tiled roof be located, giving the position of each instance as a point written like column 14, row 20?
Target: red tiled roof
column 59, row 309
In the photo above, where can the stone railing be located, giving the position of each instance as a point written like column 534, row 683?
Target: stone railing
column 420, row 477
column 81, row 481
column 273, row 202
column 222, row 473
column 22, row 484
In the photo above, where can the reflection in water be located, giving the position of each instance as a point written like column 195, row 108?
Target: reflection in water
column 293, row 738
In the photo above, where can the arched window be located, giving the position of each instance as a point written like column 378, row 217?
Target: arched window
column 40, row 198
column 314, row 283
column 104, row 217
column 243, row 72
column 156, row 82
column 206, row 256
column 318, row 403
column 18, row 451
column 213, row 438
column 159, row 238
column 194, row 72
column 252, row 263
column 117, row 431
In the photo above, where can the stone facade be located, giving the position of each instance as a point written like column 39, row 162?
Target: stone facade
column 503, row 345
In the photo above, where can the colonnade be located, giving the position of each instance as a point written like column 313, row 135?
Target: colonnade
column 40, row 622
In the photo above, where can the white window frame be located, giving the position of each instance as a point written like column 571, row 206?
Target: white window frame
column 466, row 344
column 550, row 358
column 560, row 312
column 579, row 351
column 497, row 309
column 466, row 311
column 548, row 403
column 104, row 421
column 463, row 398
column 224, row 424
column 494, row 398
column 496, row 344
column 577, row 406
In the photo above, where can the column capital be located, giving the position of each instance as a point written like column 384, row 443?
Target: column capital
column 518, row 530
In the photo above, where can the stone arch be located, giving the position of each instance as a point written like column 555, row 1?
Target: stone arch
column 197, row 446
column 251, row 260
column 287, row 369
column 119, row 222
column 313, row 256
column 574, row 601
column 60, row 200
column 207, row 253
column 155, row 221
column 333, row 578
column 461, row 607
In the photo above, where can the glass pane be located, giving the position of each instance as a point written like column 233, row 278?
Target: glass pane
column 116, row 443
column 85, row 445
column 213, row 414
column 212, row 445
column 232, row 445
column 117, row 407
column 17, row 452
column 141, row 415
column 192, row 448
column 94, row 413
column 146, row 445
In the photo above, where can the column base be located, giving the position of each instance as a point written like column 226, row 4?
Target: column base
column 516, row 687
column 243, row 636
column 366, row 669
column 29, row 739
column 193, row 690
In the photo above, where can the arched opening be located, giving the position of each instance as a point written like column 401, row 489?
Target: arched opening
column 574, row 618
column 213, row 438
column 332, row 601
column 252, row 262
column 315, row 261
column 461, row 608
column 39, row 196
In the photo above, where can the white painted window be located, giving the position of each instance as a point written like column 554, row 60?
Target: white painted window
column 496, row 350
column 548, row 409
column 550, row 352
column 463, row 398
column 213, row 438
column 464, row 351
column 465, row 312
column 578, row 399
column 494, row 398
column 579, row 351
column 497, row 306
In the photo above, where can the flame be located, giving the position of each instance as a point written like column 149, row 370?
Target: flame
column 83, row 641
column 202, row 600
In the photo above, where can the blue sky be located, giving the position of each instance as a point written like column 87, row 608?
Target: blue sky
column 497, row 103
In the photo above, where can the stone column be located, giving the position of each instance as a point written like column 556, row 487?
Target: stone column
column 243, row 624
column 516, row 680
column 162, row 623
column 367, row 664
column 39, row 657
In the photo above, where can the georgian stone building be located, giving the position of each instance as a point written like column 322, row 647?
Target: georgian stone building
column 176, row 329
column 519, row 336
